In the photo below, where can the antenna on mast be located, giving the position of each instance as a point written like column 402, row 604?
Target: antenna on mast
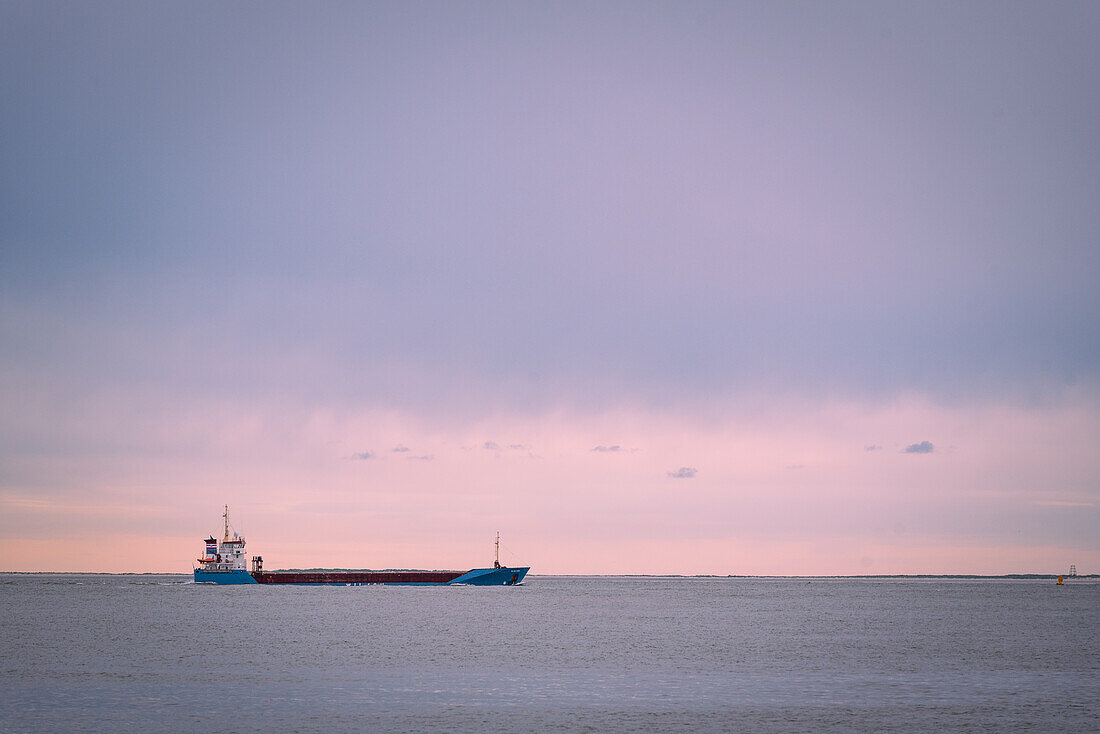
column 225, row 517
column 496, row 561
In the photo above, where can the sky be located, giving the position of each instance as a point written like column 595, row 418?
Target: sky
column 671, row 287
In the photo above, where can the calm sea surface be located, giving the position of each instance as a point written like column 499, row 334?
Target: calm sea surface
column 159, row 654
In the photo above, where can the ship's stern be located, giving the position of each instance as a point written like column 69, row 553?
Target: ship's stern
column 237, row 576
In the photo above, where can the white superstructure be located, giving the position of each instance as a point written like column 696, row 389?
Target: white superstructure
column 226, row 554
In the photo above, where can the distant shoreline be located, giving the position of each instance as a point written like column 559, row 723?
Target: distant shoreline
column 956, row 576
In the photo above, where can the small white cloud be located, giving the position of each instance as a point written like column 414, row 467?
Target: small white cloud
column 684, row 472
column 924, row 447
column 401, row 448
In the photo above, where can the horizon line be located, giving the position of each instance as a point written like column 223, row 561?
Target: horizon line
column 1014, row 575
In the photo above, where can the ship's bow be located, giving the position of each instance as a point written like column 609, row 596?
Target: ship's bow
column 493, row 576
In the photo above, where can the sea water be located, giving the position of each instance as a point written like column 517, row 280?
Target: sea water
column 105, row 653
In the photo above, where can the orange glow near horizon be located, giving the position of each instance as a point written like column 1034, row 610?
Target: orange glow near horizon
column 777, row 491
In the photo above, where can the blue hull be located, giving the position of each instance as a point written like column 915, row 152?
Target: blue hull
column 476, row 577
column 223, row 577
column 492, row 577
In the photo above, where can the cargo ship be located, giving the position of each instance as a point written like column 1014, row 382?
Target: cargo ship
column 225, row 562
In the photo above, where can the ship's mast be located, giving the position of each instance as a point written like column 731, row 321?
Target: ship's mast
column 496, row 559
column 225, row 517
